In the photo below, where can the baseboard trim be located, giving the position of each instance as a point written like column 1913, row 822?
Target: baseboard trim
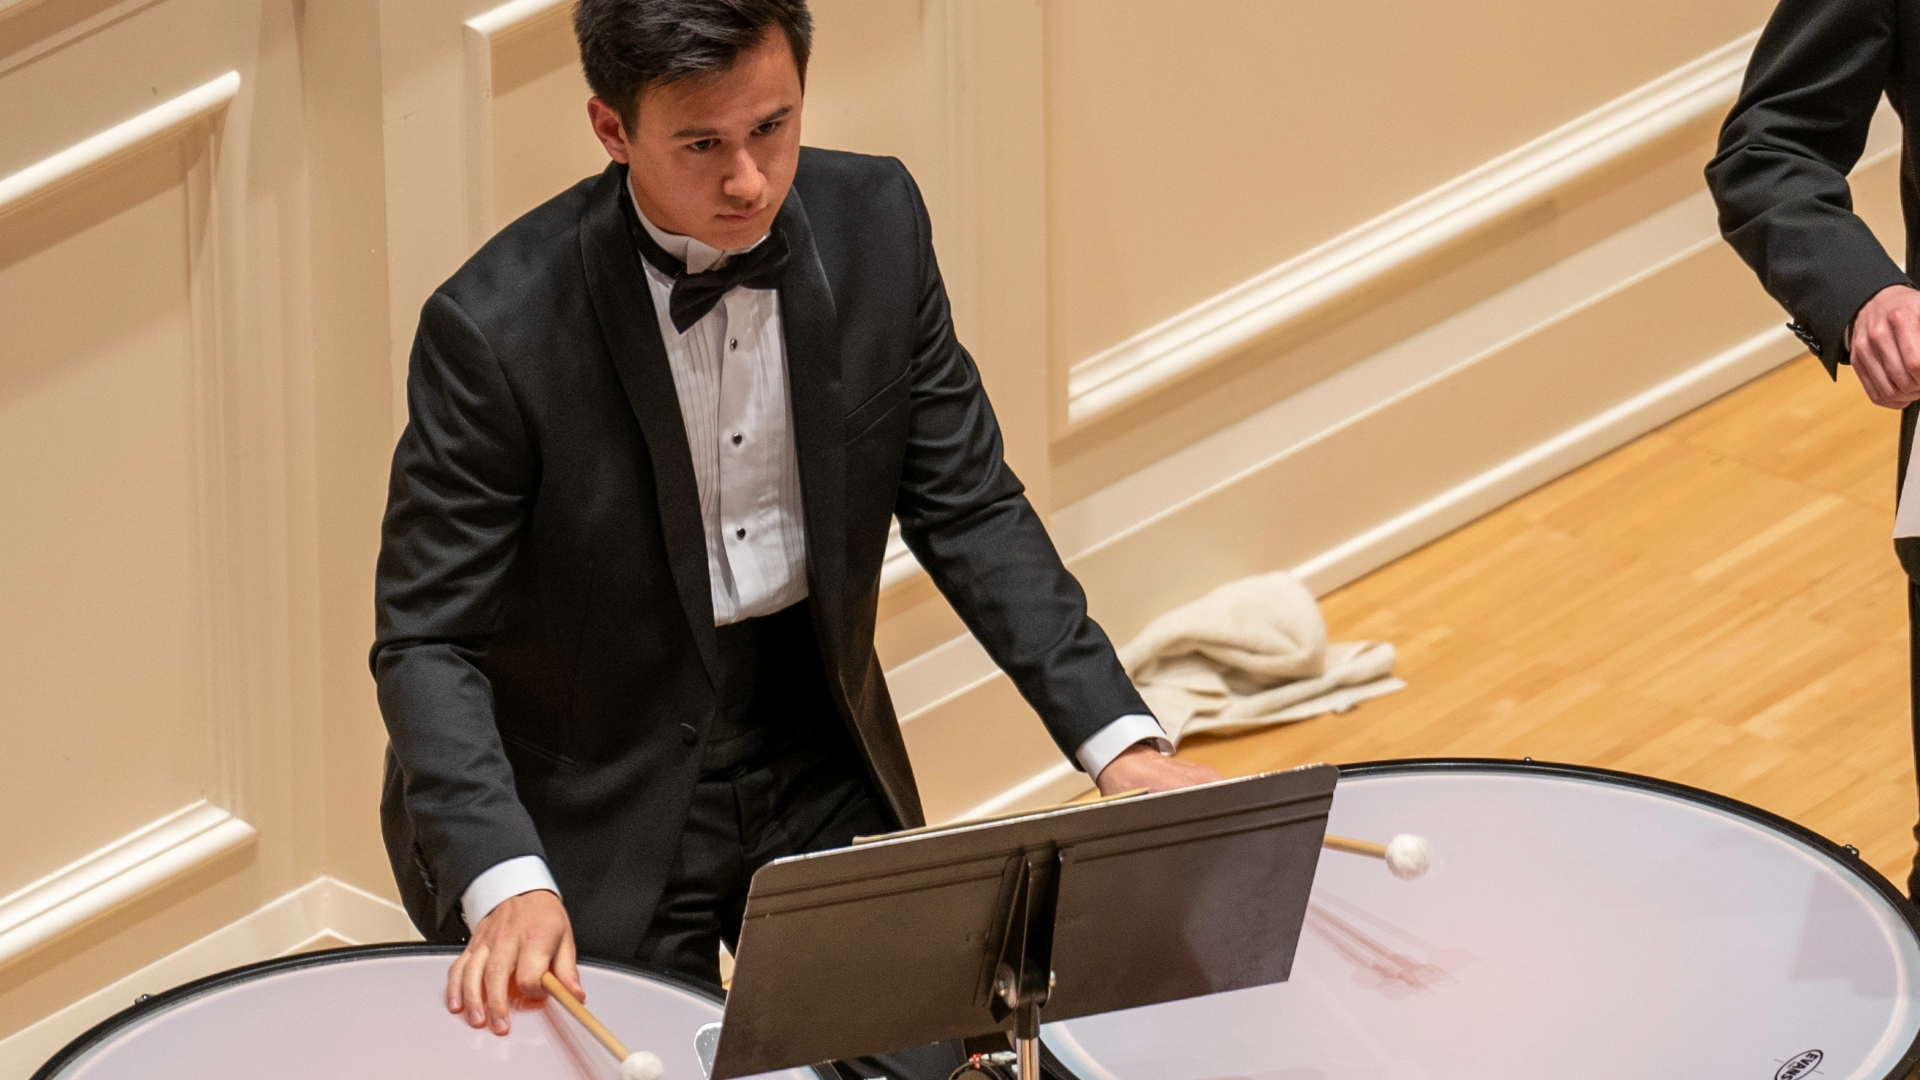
column 1265, row 304
column 135, row 864
column 321, row 911
column 1556, row 456
column 1397, row 449
column 1408, row 445
column 956, row 684
column 1295, row 289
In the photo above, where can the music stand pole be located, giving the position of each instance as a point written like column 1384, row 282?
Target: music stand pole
column 1023, row 978
column 1026, row 1043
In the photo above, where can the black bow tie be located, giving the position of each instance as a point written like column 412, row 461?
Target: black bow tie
column 696, row 294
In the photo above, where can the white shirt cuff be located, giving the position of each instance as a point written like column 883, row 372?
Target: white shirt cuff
column 1106, row 744
column 501, row 881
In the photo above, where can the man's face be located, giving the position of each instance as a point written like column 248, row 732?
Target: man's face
column 712, row 158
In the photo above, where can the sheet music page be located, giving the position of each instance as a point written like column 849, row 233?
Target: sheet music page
column 1906, row 519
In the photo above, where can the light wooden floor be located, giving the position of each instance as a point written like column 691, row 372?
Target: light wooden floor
column 1717, row 604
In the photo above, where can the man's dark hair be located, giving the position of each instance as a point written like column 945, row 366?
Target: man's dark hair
column 629, row 45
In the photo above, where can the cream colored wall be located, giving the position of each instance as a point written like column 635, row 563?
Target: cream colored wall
column 206, row 335
column 1194, row 145
column 196, row 412
column 153, row 306
column 352, row 430
column 100, row 589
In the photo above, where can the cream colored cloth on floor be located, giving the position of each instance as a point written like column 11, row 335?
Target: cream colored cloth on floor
column 1251, row 653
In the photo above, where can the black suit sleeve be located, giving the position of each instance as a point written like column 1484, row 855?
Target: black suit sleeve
column 463, row 481
column 966, row 518
column 1780, row 177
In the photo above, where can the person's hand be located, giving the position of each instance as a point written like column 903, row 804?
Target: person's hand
column 516, row 943
column 1886, row 347
column 1142, row 766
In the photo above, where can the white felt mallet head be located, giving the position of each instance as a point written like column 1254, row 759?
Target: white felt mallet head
column 640, row 1065
column 1409, row 856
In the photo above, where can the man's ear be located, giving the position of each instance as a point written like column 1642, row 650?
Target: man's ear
column 608, row 128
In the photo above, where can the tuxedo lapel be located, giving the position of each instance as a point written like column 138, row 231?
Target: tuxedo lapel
column 624, row 306
column 811, row 325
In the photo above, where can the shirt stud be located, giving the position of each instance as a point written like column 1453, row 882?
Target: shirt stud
column 733, row 343
column 736, row 438
column 739, row 534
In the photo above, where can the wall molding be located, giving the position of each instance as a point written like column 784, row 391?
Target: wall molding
column 510, row 16
column 133, row 865
column 481, row 34
column 321, row 913
column 1386, row 455
column 937, row 685
column 1290, row 292
column 1394, row 451
column 174, row 115
column 1414, row 230
column 1547, row 460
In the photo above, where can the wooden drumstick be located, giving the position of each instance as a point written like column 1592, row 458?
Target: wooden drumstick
column 1356, row 847
column 1407, row 855
column 639, row 1065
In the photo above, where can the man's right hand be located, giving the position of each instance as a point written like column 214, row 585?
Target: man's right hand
column 1886, row 347
column 520, row 940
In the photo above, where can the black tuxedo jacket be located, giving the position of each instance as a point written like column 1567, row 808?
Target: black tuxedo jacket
column 1780, row 176
column 545, row 644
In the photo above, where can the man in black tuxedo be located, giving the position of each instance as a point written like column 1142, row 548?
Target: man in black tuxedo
column 631, row 558
column 1780, row 179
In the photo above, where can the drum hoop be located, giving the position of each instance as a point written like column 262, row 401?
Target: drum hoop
column 140, row 1010
column 1909, row 1063
column 1836, row 852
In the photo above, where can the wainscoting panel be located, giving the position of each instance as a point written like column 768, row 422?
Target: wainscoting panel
column 102, row 656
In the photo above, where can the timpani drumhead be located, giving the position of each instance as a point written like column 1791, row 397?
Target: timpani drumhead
column 1576, row 924
column 376, row 1012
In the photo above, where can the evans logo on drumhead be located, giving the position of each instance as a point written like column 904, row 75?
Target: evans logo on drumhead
column 1800, row 1065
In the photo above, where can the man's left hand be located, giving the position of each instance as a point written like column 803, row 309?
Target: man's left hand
column 1142, row 766
column 1885, row 347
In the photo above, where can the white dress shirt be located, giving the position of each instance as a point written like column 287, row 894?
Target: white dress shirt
column 730, row 372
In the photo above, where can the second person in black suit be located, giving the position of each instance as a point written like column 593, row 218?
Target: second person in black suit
column 1780, row 179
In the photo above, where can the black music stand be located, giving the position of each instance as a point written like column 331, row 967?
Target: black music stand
column 961, row 932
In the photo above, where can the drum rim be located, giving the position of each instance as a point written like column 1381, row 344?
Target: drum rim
column 130, row 1015
column 1909, row 1063
column 1834, row 851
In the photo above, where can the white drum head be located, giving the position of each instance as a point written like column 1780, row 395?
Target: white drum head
column 379, row 1012
column 1576, row 924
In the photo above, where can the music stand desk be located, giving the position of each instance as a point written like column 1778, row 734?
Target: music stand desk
column 961, row 932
